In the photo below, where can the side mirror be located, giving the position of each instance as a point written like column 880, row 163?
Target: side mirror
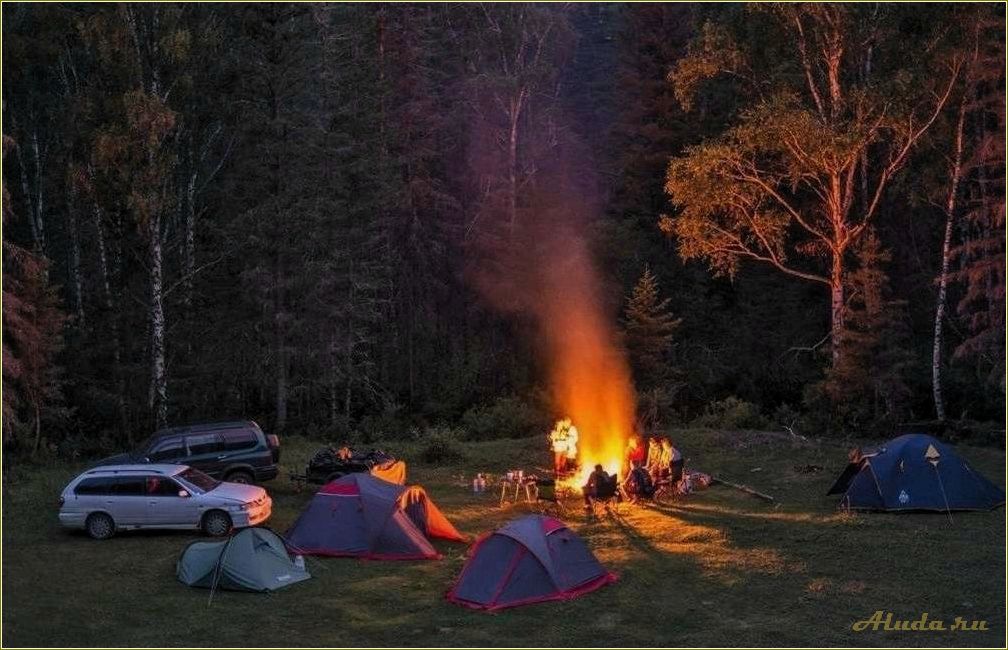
column 183, row 493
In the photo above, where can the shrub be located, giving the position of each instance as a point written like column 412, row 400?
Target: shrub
column 390, row 423
column 507, row 417
column 655, row 406
column 731, row 413
column 441, row 445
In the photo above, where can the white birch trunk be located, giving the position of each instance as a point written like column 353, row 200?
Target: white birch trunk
column 158, row 398
column 950, row 208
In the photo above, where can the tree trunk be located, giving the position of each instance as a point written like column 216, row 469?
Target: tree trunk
column 33, row 201
column 73, row 230
column 411, row 349
column 281, row 354
column 333, row 400
column 513, row 172
column 837, row 307
column 112, row 314
column 38, row 428
column 158, row 396
column 349, row 372
column 950, row 207
column 189, row 260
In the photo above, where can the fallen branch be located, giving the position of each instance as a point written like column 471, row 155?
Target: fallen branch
column 748, row 490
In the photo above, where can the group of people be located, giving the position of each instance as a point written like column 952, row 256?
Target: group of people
column 644, row 469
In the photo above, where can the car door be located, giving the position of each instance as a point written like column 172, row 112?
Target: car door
column 165, row 504
column 205, row 452
column 128, row 504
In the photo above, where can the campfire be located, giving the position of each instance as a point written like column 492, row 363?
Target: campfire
column 577, row 451
column 588, row 373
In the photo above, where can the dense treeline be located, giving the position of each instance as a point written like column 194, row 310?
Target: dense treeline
column 285, row 212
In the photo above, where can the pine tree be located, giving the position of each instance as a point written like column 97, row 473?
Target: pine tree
column 980, row 257
column 870, row 381
column 650, row 330
column 33, row 323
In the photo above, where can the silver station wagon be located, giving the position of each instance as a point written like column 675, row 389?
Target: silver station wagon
column 122, row 497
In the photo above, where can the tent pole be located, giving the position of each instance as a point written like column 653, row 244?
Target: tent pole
column 941, row 485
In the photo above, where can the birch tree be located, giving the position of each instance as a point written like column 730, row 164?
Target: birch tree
column 518, row 51
column 779, row 186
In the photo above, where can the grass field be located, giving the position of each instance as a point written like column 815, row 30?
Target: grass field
column 723, row 569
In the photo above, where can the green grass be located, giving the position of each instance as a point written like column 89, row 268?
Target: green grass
column 724, row 569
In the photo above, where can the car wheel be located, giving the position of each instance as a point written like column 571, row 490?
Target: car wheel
column 240, row 476
column 100, row 526
column 216, row 523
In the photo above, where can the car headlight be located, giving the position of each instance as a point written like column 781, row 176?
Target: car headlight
column 241, row 507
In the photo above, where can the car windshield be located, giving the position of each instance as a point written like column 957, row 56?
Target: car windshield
column 198, row 479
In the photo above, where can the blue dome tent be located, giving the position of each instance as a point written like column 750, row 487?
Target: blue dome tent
column 914, row 472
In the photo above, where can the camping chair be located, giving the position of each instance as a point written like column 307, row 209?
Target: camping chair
column 549, row 499
column 607, row 495
column 671, row 488
column 633, row 493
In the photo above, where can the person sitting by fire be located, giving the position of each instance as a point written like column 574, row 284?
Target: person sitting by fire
column 560, row 439
column 660, row 469
column 638, row 484
column 675, row 463
column 653, row 453
column 596, row 481
column 634, row 454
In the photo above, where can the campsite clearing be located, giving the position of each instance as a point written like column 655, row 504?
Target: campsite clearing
column 723, row 568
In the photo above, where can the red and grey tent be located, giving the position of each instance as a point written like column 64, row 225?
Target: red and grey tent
column 359, row 515
column 528, row 560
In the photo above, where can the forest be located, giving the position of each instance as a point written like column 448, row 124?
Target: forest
column 353, row 221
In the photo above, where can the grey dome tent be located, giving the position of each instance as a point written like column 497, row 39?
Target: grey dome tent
column 253, row 559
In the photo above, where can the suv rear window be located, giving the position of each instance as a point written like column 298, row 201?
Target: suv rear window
column 170, row 449
column 239, row 440
column 205, row 443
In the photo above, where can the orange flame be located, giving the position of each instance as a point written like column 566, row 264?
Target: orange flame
column 545, row 271
column 589, row 376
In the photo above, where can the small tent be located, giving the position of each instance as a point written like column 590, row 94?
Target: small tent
column 253, row 559
column 528, row 560
column 359, row 515
column 392, row 471
column 914, row 472
column 427, row 516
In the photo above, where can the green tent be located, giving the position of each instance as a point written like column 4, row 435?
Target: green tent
column 253, row 559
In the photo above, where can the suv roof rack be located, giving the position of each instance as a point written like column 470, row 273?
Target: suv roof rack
column 147, row 469
column 204, row 426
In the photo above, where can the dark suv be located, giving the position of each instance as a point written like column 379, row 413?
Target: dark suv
column 238, row 452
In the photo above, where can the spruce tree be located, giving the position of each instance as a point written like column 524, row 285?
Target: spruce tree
column 870, row 382
column 650, row 330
